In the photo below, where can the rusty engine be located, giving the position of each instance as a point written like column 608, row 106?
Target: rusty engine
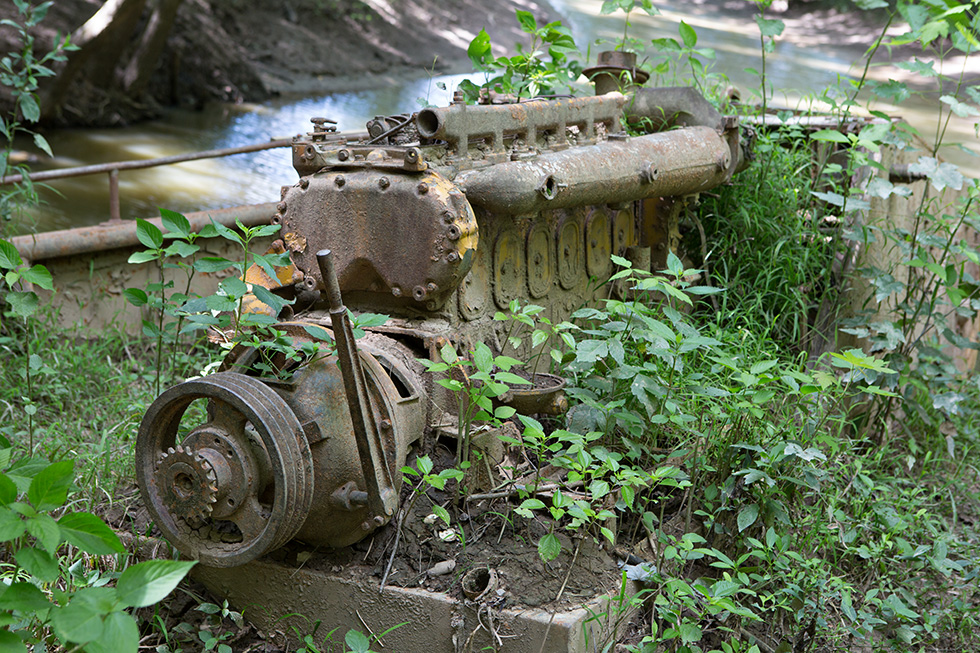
column 438, row 220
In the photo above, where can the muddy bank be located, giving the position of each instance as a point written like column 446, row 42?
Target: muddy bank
column 245, row 50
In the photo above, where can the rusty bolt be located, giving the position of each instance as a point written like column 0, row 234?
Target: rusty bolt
column 453, row 233
column 396, row 291
column 386, row 425
column 343, row 155
column 304, row 183
column 448, row 216
column 281, row 207
column 652, row 172
column 339, row 180
column 309, row 153
column 378, row 520
column 431, row 287
column 367, row 524
column 452, row 257
column 724, row 160
column 412, row 155
column 422, row 188
column 384, row 183
column 419, row 293
column 276, row 219
column 310, row 282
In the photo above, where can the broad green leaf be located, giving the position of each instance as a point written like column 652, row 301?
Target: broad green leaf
column 479, row 50
column 23, row 597
column 317, row 332
column 209, row 264
column 8, row 490
column 80, row 621
column 11, row 643
column 181, row 248
column 38, row 563
column 89, row 533
column 135, row 296
column 119, row 635
column 39, row 276
column 483, row 358
column 357, row 641
column 830, row 135
column 149, row 234
column 549, row 547
column 441, row 512
column 689, row 633
column 143, row 257
column 11, row 525
column 42, row 144
column 29, row 107
column 9, row 256
column 24, row 304
column 747, row 516
column 175, row 223
column 770, row 27
column 688, row 35
column 45, row 529
column 148, row 582
column 49, row 489
column 527, row 22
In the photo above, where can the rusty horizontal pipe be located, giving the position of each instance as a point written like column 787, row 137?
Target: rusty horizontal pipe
column 88, row 240
column 667, row 164
column 672, row 106
column 458, row 123
column 81, row 171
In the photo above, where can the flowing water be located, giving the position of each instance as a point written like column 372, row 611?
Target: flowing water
column 797, row 70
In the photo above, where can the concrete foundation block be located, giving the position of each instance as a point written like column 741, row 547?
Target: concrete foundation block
column 266, row 592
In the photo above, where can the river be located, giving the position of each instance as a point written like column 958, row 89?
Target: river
column 798, row 70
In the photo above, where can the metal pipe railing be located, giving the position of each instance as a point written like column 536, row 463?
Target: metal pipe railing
column 114, row 168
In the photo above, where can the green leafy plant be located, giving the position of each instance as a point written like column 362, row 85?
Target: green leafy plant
column 49, row 599
column 627, row 7
column 528, row 73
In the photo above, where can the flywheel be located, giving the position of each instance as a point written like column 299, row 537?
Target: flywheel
column 234, row 487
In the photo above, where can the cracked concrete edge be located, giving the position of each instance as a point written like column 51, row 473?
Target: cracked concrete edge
column 289, row 601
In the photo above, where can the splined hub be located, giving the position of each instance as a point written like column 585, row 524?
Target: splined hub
column 187, row 484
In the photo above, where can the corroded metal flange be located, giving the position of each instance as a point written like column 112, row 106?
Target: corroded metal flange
column 235, row 487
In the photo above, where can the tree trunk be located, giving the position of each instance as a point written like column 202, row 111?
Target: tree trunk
column 137, row 73
column 101, row 40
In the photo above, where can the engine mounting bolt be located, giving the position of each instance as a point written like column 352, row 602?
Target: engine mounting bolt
column 339, row 180
column 378, row 520
column 281, row 207
column 448, row 216
column 453, row 232
column 419, row 293
column 422, row 188
column 304, row 183
column 383, row 183
column 367, row 525
column 343, row 155
column 431, row 287
column 386, row 425
column 396, row 291
column 452, row 257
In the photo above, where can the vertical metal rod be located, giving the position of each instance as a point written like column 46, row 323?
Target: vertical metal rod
column 114, row 214
column 370, row 449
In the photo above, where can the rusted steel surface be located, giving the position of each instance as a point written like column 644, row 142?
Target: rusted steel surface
column 672, row 163
column 437, row 222
column 238, row 485
column 381, row 496
column 102, row 168
column 122, row 234
column 460, row 123
column 405, row 238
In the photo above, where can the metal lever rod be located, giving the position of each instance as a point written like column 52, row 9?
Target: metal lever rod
column 380, row 488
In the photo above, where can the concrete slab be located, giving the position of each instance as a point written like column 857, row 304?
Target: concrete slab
column 265, row 591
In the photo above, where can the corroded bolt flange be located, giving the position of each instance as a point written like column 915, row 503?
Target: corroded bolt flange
column 339, row 180
column 343, row 155
column 383, row 183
